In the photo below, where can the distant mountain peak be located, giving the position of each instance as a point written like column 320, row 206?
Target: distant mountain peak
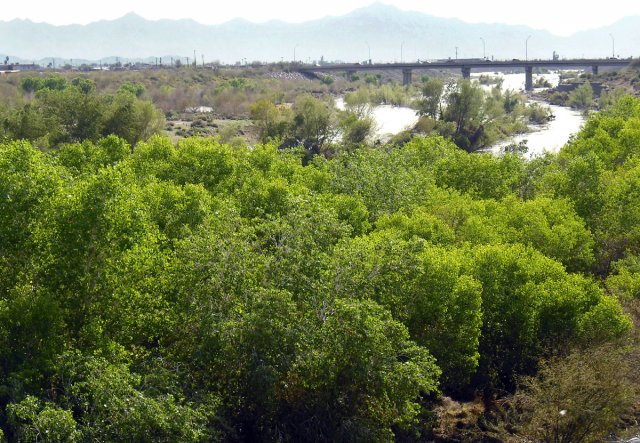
column 376, row 8
column 132, row 16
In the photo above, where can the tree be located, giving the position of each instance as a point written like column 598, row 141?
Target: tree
column 582, row 96
column 272, row 122
column 432, row 91
column 28, row 180
column 424, row 288
column 135, row 88
column 65, row 112
column 312, row 123
column 111, row 404
column 550, row 226
column 31, row 84
column 624, row 280
column 529, row 305
column 131, row 119
column 85, row 85
column 480, row 175
column 618, row 227
column 355, row 131
column 26, row 123
column 358, row 102
column 250, row 354
column 358, row 376
column 464, row 105
column 31, row 421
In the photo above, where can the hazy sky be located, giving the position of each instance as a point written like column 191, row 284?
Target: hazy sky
column 561, row 17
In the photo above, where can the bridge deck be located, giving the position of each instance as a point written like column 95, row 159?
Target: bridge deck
column 459, row 64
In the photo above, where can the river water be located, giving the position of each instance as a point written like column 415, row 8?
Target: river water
column 550, row 137
column 389, row 120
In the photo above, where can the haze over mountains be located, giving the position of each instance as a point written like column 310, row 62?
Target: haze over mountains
column 388, row 33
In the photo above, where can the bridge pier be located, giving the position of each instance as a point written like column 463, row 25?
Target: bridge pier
column 406, row 77
column 351, row 75
column 594, row 69
column 466, row 72
column 528, row 78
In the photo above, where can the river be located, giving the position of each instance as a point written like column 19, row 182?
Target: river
column 550, row 137
column 389, row 120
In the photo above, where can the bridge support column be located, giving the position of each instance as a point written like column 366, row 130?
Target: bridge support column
column 466, row 72
column 528, row 78
column 594, row 69
column 351, row 75
column 406, row 77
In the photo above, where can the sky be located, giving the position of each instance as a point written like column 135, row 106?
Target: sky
column 561, row 17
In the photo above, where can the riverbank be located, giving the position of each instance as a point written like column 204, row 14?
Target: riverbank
column 548, row 137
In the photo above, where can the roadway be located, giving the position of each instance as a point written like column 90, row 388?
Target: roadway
column 466, row 65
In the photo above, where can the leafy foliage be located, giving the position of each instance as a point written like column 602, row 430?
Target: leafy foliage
column 63, row 112
column 197, row 291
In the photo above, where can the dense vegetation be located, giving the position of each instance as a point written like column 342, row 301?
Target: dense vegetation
column 461, row 111
column 472, row 117
column 250, row 106
column 198, row 292
column 57, row 111
column 613, row 86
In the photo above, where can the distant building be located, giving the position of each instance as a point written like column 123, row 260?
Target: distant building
column 16, row 67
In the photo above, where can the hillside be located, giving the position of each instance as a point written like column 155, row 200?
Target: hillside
column 384, row 30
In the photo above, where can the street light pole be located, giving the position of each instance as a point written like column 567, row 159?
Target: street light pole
column 484, row 54
column 613, row 46
column 456, row 53
column 401, row 48
column 526, row 49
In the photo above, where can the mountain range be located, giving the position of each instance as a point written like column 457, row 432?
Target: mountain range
column 382, row 32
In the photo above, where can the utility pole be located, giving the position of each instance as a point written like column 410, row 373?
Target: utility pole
column 613, row 46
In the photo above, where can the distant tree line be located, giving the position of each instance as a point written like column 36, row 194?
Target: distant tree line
column 57, row 111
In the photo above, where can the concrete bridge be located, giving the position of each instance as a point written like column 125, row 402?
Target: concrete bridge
column 466, row 65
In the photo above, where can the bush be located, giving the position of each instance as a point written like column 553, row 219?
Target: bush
column 580, row 398
column 582, row 96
